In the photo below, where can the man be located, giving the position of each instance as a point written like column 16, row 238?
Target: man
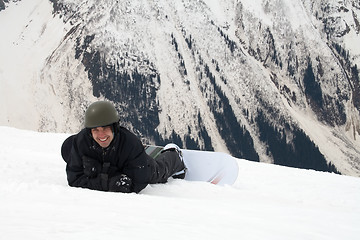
column 107, row 157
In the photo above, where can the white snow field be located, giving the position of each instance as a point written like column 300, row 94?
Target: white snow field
column 266, row 201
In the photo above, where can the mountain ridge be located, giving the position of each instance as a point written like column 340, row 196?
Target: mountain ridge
column 215, row 76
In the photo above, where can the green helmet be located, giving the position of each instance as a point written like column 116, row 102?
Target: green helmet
column 100, row 114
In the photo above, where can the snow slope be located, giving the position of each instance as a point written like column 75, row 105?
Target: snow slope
column 266, row 202
column 31, row 32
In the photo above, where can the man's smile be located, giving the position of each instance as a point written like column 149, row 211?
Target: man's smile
column 103, row 139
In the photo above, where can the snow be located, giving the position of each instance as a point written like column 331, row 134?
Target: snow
column 256, row 8
column 31, row 34
column 330, row 139
column 351, row 42
column 217, row 9
column 266, row 201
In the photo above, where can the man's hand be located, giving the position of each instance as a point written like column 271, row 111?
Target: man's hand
column 120, row 183
column 91, row 166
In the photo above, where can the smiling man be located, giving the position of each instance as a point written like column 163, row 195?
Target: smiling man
column 107, row 157
column 103, row 135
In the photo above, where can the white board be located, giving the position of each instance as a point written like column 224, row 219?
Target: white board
column 214, row 167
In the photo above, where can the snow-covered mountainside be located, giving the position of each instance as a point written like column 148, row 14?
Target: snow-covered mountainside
column 266, row 202
column 270, row 81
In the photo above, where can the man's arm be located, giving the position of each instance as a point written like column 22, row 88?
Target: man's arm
column 136, row 166
column 80, row 175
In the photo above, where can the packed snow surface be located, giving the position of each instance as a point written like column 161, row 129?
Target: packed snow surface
column 266, row 201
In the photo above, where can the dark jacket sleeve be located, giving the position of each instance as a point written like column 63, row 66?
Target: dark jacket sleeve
column 136, row 166
column 75, row 171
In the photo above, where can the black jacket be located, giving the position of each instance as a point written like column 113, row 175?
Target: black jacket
column 125, row 155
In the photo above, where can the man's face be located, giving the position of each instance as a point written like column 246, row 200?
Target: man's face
column 103, row 135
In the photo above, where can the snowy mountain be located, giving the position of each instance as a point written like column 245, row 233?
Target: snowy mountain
column 269, row 81
column 266, row 202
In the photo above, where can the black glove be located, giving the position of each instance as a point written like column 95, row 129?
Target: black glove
column 120, row 183
column 91, row 166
